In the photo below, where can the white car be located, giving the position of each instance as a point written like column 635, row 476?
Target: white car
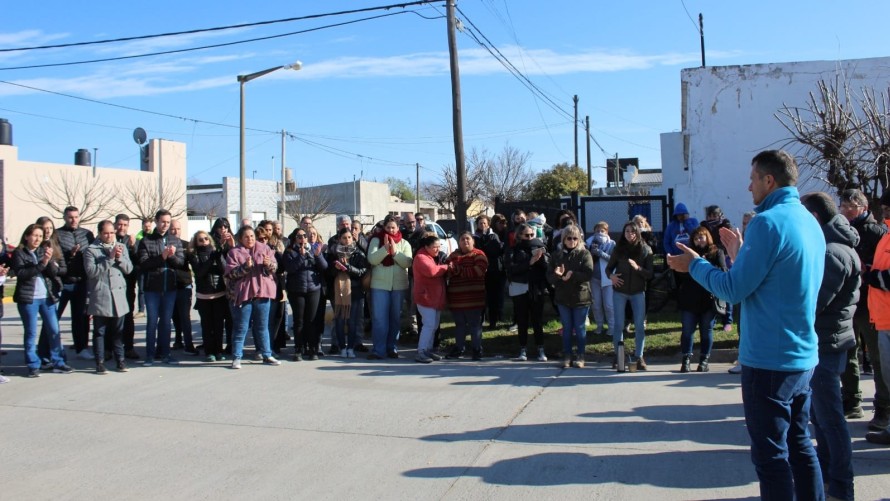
column 449, row 244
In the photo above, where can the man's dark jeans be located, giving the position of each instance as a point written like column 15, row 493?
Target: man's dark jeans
column 777, row 413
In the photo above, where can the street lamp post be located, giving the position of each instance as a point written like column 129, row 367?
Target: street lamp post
column 243, row 79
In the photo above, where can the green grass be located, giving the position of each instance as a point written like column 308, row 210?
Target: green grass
column 662, row 335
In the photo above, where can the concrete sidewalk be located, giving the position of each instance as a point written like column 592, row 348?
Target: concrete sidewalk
column 354, row 429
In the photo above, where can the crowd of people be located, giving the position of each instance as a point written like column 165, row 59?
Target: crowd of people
column 831, row 262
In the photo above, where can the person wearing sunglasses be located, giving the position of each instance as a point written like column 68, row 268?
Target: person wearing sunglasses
column 210, row 293
column 570, row 271
column 305, row 265
column 527, row 276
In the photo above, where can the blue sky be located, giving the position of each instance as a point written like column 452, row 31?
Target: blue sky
column 374, row 97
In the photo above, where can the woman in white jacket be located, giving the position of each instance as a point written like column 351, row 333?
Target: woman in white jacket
column 600, row 246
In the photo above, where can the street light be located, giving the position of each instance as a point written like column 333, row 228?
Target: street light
column 242, row 79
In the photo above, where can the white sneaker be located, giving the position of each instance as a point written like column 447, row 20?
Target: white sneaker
column 85, row 354
column 271, row 361
column 344, row 353
column 522, row 356
column 236, row 363
column 350, row 353
column 541, row 356
column 737, row 369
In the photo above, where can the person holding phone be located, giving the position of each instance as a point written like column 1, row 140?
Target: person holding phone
column 107, row 264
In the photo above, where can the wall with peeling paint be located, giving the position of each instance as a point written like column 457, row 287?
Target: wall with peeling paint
column 728, row 115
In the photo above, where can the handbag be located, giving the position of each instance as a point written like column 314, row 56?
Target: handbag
column 720, row 306
column 366, row 280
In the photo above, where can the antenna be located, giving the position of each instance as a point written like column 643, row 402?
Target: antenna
column 140, row 137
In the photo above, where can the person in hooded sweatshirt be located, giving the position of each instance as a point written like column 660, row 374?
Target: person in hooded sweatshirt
column 679, row 230
column 835, row 307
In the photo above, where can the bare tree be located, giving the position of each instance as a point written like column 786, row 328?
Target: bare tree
column 145, row 197
column 207, row 204
column 443, row 193
column 93, row 196
column 507, row 176
column 842, row 138
column 311, row 201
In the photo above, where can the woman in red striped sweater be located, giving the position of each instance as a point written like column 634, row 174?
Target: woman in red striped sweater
column 466, row 295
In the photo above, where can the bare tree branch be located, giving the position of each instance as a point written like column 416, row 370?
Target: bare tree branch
column 842, row 138
column 144, row 198
column 311, row 201
column 93, row 196
column 508, row 176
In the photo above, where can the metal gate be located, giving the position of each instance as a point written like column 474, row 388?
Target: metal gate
column 614, row 210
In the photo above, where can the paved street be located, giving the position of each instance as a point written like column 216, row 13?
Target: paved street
column 354, row 429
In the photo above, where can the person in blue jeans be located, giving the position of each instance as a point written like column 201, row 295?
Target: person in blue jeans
column 834, row 326
column 569, row 271
column 780, row 263
column 696, row 304
column 37, row 294
column 250, row 274
column 390, row 257
column 629, row 269
column 159, row 254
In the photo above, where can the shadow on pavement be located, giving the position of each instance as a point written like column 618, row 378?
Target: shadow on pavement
column 692, row 470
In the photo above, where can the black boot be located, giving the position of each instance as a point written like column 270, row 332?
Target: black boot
column 703, row 365
column 684, row 366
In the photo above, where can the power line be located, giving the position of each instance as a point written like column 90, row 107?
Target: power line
column 329, row 149
column 203, row 47
column 220, row 28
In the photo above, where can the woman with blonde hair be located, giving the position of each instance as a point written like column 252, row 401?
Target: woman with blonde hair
column 569, row 271
column 208, row 266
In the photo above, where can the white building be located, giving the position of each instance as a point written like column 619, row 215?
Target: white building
column 30, row 189
column 728, row 117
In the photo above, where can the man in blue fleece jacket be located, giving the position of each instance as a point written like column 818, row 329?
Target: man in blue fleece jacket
column 776, row 275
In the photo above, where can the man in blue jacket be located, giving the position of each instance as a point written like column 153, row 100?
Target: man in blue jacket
column 776, row 275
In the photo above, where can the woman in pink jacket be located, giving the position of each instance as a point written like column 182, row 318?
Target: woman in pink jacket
column 250, row 279
column 429, row 294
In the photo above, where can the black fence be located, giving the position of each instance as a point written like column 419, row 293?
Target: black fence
column 614, row 210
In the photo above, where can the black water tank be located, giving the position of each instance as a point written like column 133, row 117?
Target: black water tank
column 5, row 132
column 82, row 157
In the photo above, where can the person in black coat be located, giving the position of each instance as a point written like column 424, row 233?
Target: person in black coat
column 835, row 307
column 527, row 276
column 73, row 240
column 696, row 304
column 121, row 229
column 854, row 206
column 210, row 293
column 488, row 242
column 159, row 256
column 37, row 293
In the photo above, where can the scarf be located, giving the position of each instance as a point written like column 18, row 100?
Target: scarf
column 343, row 285
column 388, row 260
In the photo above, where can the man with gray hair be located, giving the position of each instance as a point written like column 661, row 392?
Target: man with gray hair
column 854, row 206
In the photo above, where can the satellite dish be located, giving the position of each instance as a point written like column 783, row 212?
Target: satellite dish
column 139, row 136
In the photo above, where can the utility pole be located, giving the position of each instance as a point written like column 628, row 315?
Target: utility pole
column 575, row 99
column 283, row 209
column 417, row 190
column 461, row 205
column 589, row 171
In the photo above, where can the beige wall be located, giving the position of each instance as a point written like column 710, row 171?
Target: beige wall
column 20, row 179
